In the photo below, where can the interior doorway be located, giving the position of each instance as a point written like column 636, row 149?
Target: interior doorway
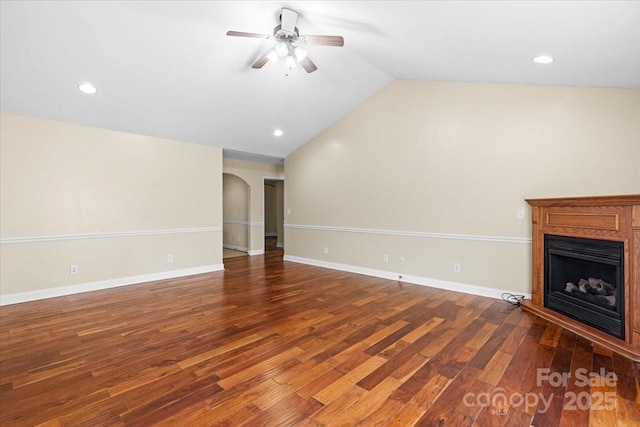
column 273, row 214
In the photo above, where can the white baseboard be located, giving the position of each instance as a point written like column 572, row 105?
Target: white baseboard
column 104, row 284
column 343, row 267
column 256, row 252
column 235, row 248
column 407, row 278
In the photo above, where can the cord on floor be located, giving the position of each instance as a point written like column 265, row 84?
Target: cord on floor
column 512, row 299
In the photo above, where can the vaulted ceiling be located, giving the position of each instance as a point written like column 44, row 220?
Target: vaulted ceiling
column 167, row 68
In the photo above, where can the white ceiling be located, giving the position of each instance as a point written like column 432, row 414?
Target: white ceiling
column 167, row 68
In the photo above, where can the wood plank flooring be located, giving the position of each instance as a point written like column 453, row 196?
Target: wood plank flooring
column 273, row 343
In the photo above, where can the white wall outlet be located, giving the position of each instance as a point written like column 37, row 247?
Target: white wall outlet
column 520, row 213
column 401, row 260
column 385, row 258
column 169, row 258
column 73, row 269
column 456, row 267
column 325, row 251
column 238, row 239
column 288, row 211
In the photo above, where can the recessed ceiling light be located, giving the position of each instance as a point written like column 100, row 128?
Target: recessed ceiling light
column 87, row 88
column 543, row 59
column 277, row 132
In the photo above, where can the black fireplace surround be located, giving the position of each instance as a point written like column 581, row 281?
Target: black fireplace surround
column 584, row 280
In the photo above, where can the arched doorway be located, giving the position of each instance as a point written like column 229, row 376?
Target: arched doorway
column 235, row 216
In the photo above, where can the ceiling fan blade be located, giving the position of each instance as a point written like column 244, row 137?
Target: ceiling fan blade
column 308, row 65
column 288, row 20
column 324, row 40
column 260, row 62
column 243, row 34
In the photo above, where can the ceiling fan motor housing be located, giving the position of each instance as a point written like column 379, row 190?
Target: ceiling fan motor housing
column 286, row 36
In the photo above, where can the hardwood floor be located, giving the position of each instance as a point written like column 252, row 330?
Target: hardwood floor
column 268, row 342
column 270, row 243
column 231, row 253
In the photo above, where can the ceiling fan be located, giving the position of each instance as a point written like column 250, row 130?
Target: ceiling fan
column 289, row 43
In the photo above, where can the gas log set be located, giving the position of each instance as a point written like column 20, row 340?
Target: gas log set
column 594, row 290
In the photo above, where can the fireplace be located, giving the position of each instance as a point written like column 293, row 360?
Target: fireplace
column 584, row 280
column 586, row 268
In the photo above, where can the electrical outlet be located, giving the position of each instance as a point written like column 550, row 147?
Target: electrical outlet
column 385, row 258
column 169, row 258
column 73, row 269
column 325, row 251
column 520, row 213
column 456, row 267
column 401, row 260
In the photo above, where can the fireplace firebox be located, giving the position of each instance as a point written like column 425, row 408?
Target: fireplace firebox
column 584, row 280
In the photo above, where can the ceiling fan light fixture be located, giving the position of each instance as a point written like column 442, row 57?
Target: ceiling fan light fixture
column 273, row 56
column 289, row 62
column 287, row 40
column 282, row 49
column 300, row 53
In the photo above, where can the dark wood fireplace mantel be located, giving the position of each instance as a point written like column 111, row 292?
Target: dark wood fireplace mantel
column 613, row 218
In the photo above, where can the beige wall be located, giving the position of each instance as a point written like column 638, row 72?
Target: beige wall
column 235, row 212
column 113, row 203
column 434, row 172
column 253, row 174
